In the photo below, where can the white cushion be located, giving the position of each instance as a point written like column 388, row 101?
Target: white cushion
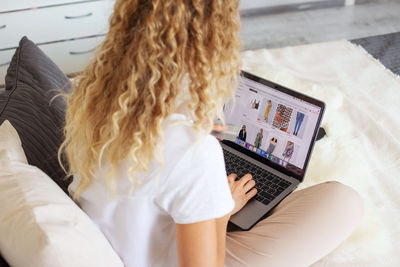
column 10, row 144
column 39, row 224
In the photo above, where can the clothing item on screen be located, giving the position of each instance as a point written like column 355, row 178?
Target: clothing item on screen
column 272, row 145
column 282, row 117
column 299, row 120
column 267, row 110
column 288, row 153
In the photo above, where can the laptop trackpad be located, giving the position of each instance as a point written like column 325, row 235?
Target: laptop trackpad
column 249, row 214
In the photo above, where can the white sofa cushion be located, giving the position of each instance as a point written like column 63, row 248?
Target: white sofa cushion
column 39, row 224
column 10, row 144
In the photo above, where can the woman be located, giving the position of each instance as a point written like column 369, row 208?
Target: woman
column 258, row 140
column 242, row 134
column 272, row 145
column 145, row 168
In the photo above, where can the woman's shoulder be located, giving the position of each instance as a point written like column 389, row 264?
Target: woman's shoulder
column 180, row 138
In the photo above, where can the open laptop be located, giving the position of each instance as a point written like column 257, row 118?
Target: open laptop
column 276, row 132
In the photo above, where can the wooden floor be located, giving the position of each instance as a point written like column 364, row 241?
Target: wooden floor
column 320, row 25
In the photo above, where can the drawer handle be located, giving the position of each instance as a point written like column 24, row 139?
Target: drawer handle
column 3, row 26
column 80, row 16
column 5, row 64
column 81, row 52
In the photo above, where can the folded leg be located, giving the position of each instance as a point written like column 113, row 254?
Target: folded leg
column 302, row 229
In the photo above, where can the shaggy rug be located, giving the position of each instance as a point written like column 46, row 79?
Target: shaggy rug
column 362, row 149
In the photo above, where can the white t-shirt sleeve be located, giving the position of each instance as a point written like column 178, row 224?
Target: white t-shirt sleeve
column 197, row 188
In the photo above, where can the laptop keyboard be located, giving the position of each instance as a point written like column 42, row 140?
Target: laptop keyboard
column 268, row 185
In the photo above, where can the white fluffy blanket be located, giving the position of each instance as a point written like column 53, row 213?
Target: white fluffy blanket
column 362, row 149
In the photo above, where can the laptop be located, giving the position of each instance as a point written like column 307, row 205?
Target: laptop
column 275, row 136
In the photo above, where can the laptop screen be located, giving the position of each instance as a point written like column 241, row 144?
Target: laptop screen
column 274, row 122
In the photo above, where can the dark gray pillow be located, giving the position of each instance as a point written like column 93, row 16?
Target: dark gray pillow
column 31, row 81
column 3, row 263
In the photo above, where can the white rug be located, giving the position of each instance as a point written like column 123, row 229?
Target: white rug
column 362, row 149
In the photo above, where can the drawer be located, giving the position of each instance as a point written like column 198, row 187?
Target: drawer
column 69, row 56
column 5, row 59
column 10, row 5
column 55, row 23
column 72, row 56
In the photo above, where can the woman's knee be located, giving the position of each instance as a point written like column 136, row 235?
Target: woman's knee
column 346, row 200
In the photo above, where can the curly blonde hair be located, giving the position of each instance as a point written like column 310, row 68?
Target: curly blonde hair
column 119, row 102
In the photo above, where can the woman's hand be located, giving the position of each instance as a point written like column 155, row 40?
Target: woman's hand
column 242, row 190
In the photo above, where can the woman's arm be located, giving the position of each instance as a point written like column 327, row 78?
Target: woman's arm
column 202, row 243
column 221, row 237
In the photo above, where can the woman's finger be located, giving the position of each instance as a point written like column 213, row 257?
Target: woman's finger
column 244, row 180
column 232, row 177
column 249, row 185
column 251, row 194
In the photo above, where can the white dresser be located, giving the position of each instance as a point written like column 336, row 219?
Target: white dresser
column 66, row 30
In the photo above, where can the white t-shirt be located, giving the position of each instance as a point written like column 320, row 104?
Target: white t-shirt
column 192, row 186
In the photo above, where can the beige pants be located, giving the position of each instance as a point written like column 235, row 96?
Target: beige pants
column 302, row 229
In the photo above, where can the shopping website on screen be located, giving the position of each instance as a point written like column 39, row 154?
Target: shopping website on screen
column 273, row 124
